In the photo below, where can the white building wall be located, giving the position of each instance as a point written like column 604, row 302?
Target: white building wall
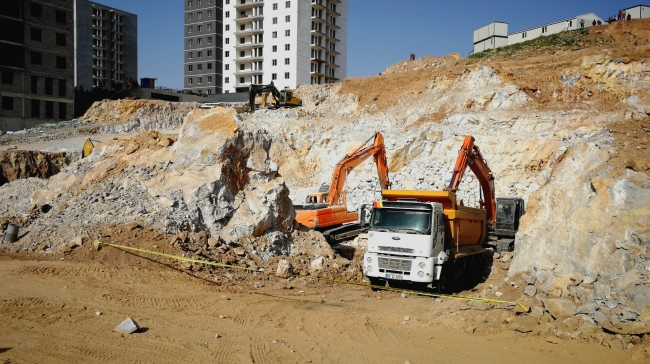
column 298, row 68
column 638, row 12
column 552, row 28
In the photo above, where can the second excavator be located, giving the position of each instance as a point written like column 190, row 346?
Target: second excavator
column 326, row 210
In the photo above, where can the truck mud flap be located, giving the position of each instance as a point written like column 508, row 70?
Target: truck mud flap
column 347, row 231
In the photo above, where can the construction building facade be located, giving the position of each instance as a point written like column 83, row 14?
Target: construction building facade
column 289, row 43
column 36, row 62
column 203, row 59
column 106, row 46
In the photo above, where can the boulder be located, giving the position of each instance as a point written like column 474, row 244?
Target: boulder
column 285, row 269
column 127, row 326
column 559, row 308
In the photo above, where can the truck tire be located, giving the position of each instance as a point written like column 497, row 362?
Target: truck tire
column 376, row 282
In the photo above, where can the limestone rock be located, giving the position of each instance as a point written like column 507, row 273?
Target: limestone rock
column 285, row 269
column 127, row 326
column 559, row 308
column 317, row 263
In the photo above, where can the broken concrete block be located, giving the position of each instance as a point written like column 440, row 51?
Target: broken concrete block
column 127, row 326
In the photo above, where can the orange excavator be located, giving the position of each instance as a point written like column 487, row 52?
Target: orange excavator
column 326, row 210
column 470, row 155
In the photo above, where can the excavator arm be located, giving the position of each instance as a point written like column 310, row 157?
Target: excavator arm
column 470, row 155
column 351, row 161
column 255, row 90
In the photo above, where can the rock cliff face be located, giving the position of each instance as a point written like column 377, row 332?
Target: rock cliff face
column 24, row 164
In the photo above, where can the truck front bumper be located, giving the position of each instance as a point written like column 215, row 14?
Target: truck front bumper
column 402, row 268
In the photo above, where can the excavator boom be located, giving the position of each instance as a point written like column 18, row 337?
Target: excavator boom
column 470, row 155
column 351, row 161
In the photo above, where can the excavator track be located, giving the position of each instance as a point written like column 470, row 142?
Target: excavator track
column 343, row 232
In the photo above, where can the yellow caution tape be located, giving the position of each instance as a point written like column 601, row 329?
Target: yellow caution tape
column 419, row 293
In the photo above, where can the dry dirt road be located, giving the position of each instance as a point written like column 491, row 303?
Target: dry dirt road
column 48, row 315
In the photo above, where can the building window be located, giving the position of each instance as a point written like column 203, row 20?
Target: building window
column 198, row 2
column 35, row 10
column 227, row 2
column 36, row 108
column 275, row 20
column 49, row 109
column 287, row 4
column 7, row 103
column 209, row 40
column 37, row 34
column 199, row 28
column 274, row 35
column 227, row 40
column 60, row 16
column 190, row 55
column 199, row 67
column 8, row 77
column 189, row 16
column 274, row 62
column 242, row 67
column 60, row 39
column 62, row 110
column 209, row 13
column 274, row 48
column 189, row 29
column 287, row 18
column 242, row 40
column 199, row 54
column 37, row 58
column 199, row 41
column 189, row 3
column 209, row 52
column 227, row 14
column 62, row 85
column 199, row 14
column 287, row 47
column 209, row 79
column 227, row 80
column 227, row 67
column 209, row 65
column 286, row 61
column 209, row 27
column 199, row 80
column 286, row 75
column 274, row 76
column 190, row 68
column 190, row 81
column 287, row 33
column 275, row 6
column 227, row 27
column 242, row 79
column 227, row 54
column 190, row 42
column 544, row 30
column 242, row 54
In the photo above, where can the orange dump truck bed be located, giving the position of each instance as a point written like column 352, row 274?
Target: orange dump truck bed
column 464, row 226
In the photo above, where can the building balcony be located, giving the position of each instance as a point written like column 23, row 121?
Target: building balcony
column 318, row 46
column 333, row 39
column 317, row 19
column 248, row 72
column 248, row 45
column 335, row 1
column 332, row 78
column 317, row 60
column 333, row 65
column 317, row 74
column 249, row 59
column 249, row 31
column 318, row 32
column 333, row 52
column 333, row 26
column 333, row 12
column 318, row 4
column 247, row 4
column 246, row 18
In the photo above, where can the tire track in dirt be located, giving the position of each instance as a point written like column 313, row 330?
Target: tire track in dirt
column 225, row 348
column 160, row 302
column 24, row 302
column 259, row 352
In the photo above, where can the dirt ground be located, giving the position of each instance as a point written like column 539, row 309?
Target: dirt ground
column 49, row 305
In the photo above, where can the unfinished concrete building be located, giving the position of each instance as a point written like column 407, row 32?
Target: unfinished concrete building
column 106, row 45
column 36, row 62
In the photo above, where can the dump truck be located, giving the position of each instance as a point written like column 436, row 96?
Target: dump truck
column 326, row 210
column 427, row 238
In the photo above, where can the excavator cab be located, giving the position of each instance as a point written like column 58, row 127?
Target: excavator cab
column 317, row 197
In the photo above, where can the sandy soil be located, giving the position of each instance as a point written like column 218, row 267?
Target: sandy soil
column 48, row 314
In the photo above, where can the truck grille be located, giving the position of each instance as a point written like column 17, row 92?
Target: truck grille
column 395, row 264
column 395, row 250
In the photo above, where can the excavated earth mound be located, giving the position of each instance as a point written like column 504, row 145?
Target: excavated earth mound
column 24, row 164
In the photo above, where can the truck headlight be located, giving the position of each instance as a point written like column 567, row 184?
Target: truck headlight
column 422, row 265
column 420, row 274
column 369, row 259
column 369, row 268
column 371, row 235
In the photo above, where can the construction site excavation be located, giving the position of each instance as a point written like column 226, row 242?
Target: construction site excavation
column 490, row 209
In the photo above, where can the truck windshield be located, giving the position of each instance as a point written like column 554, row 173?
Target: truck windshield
column 395, row 219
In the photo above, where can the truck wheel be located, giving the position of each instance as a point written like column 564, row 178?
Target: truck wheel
column 443, row 284
column 376, row 282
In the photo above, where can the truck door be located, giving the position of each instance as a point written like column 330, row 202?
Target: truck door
column 438, row 228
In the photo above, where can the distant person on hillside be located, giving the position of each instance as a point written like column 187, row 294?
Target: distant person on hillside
column 623, row 17
column 620, row 15
column 566, row 25
column 599, row 22
column 582, row 23
column 593, row 22
column 629, row 16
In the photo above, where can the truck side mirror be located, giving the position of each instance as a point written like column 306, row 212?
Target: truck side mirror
column 364, row 215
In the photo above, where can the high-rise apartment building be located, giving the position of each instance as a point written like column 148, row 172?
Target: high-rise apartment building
column 36, row 62
column 289, row 43
column 106, row 45
column 203, row 46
